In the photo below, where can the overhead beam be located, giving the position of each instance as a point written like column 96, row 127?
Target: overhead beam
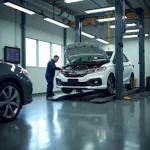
column 131, row 15
column 130, row 6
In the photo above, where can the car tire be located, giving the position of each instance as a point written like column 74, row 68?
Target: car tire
column 66, row 90
column 10, row 101
column 130, row 86
column 110, row 86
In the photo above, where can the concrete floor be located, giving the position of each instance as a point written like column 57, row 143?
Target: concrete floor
column 78, row 124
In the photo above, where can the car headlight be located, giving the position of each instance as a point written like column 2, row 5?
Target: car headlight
column 25, row 72
column 96, row 70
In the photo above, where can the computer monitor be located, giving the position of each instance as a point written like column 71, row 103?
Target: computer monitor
column 12, row 55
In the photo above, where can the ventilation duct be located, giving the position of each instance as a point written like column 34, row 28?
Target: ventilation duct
column 45, row 6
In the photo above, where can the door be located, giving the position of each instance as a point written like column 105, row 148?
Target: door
column 127, row 69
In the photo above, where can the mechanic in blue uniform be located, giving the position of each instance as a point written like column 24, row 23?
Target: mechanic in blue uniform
column 50, row 73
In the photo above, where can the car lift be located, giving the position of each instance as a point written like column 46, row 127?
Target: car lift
column 119, row 51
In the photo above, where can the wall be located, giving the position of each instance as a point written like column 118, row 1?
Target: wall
column 10, row 35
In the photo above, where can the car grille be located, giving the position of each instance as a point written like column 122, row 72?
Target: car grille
column 74, row 75
column 75, row 84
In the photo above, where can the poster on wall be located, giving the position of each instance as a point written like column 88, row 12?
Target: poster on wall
column 12, row 55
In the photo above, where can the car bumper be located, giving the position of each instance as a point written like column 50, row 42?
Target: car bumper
column 27, row 91
column 90, row 81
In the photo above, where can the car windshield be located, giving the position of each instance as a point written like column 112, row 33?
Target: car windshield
column 109, row 53
column 88, row 59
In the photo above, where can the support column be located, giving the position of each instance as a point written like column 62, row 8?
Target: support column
column 78, row 29
column 141, row 52
column 65, row 44
column 23, row 39
column 119, row 49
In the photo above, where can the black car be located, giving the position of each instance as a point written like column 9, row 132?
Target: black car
column 15, row 90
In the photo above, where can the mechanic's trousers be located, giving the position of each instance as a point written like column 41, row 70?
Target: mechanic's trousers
column 50, row 86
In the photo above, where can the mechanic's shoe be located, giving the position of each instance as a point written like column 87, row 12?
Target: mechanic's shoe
column 49, row 98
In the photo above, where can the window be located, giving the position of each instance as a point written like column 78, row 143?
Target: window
column 125, row 59
column 56, row 50
column 44, row 53
column 31, row 52
column 109, row 53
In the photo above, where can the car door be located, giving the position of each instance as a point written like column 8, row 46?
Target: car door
column 127, row 69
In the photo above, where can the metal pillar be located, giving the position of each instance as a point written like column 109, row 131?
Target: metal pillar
column 119, row 49
column 65, row 43
column 23, row 38
column 78, row 29
column 141, row 51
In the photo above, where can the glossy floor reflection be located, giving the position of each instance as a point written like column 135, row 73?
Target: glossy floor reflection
column 79, row 125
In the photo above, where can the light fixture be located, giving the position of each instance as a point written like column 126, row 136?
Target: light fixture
column 130, row 36
column 128, row 25
column 102, row 41
column 72, row 1
column 147, row 34
column 100, row 10
column 88, row 35
column 134, row 36
column 108, row 19
column 56, row 22
column 132, row 31
column 19, row 8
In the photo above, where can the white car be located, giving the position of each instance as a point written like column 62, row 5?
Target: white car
column 92, row 68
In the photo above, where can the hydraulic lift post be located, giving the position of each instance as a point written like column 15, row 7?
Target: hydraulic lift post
column 119, row 49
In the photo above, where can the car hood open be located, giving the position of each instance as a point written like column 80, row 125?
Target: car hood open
column 84, row 49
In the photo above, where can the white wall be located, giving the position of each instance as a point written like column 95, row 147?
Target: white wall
column 10, row 35
column 131, row 50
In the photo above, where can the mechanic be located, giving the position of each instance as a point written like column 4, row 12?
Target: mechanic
column 50, row 73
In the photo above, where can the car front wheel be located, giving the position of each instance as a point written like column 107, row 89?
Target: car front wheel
column 110, row 86
column 10, row 101
column 130, row 86
column 66, row 90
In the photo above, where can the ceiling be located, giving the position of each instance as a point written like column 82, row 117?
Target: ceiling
column 79, row 7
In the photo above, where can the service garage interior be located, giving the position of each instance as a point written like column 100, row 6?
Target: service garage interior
column 102, row 92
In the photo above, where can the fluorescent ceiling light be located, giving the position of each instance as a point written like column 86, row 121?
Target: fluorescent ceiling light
column 128, row 25
column 108, row 19
column 102, row 41
column 88, row 35
column 72, row 1
column 19, row 8
column 133, row 36
column 56, row 22
column 131, row 31
column 100, row 10
column 147, row 34
column 130, row 36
